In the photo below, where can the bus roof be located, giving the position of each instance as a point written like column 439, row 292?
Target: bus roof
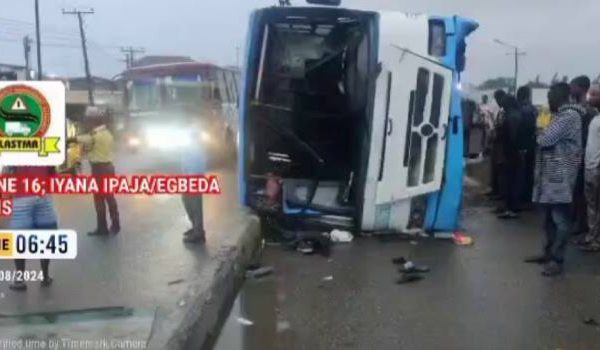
column 205, row 70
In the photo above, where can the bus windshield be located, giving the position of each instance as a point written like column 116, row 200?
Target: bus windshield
column 145, row 96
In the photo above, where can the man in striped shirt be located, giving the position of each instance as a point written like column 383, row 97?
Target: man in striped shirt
column 558, row 160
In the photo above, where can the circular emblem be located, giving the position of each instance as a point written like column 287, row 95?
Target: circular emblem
column 24, row 112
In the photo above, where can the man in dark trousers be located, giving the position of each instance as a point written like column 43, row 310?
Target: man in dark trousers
column 557, row 164
column 512, row 167
column 496, row 148
column 526, row 137
column 100, row 145
column 579, row 89
column 194, row 161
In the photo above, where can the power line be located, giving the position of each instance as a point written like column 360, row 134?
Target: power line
column 130, row 54
column 56, row 34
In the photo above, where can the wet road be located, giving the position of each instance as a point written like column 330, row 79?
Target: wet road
column 479, row 297
column 133, row 268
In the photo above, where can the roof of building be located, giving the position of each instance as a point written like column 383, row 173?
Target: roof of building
column 11, row 66
column 80, row 83
column 153, row 60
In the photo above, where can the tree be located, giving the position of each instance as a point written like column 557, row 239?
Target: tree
column 497, row 83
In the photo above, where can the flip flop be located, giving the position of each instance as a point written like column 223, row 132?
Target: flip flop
column 399, row 261
column 591, row 248
column 414, row 269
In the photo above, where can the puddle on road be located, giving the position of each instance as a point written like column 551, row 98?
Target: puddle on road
column 253, row 323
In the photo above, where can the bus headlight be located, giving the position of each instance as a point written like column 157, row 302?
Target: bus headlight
column 205, row 137
column 134, row 141
column 167, row 138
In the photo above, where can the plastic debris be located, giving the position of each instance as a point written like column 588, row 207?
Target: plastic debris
column 462, row 239
column 259, row 272
column 327, row 278
column 244, row 321
column 181, row 302
column 414, row 242
column 340, row 236
column 283, row 326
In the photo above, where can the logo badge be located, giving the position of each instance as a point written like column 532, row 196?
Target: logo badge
column 32, row 123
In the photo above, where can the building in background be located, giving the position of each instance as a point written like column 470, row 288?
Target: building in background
column 12, row 72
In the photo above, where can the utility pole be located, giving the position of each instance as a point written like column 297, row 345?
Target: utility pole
column 38, row 40
column 88, row 75
column 27, row 51
column 517, row 53
column 130, row 54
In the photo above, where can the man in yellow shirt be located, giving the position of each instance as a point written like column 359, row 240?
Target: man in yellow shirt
column 100, row 145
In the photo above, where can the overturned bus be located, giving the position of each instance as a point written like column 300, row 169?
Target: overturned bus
column 352, row 118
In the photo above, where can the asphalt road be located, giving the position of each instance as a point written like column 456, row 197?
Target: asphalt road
column 133, row 268
column 478, row 297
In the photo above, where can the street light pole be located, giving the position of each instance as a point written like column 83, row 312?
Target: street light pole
column 516, row 68
column 516, row 52
column 38, row 42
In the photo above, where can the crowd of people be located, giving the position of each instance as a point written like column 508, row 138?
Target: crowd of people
column 553, row 162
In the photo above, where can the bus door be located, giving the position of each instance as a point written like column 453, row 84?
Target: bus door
column 418, row 96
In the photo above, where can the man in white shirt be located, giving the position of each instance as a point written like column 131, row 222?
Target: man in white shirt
column 592, row 175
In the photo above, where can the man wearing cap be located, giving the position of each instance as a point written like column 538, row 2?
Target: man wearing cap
column 100, row 145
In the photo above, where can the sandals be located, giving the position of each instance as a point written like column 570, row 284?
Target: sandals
column 593, row 247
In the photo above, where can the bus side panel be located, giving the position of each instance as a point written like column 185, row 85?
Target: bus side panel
column 249, row 66
column 444, row 207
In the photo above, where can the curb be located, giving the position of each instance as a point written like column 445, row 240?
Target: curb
column 196, row 324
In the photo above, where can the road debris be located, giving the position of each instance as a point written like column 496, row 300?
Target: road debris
column 443, row 235
column 259, row 272
column 414, row 242
column 462, row 239
column 327, row 278
column 590, row 321
column 340, row 236
column 410, row 267
column 409, row 278
column 283, row 326
column 175, row 282
column 244, row 321
column 399, row 260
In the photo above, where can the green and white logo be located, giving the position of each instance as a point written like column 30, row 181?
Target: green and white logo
column 25, row 119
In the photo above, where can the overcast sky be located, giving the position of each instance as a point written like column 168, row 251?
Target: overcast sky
column 556, row 34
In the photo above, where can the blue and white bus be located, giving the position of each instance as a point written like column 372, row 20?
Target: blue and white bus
column 357, row 115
